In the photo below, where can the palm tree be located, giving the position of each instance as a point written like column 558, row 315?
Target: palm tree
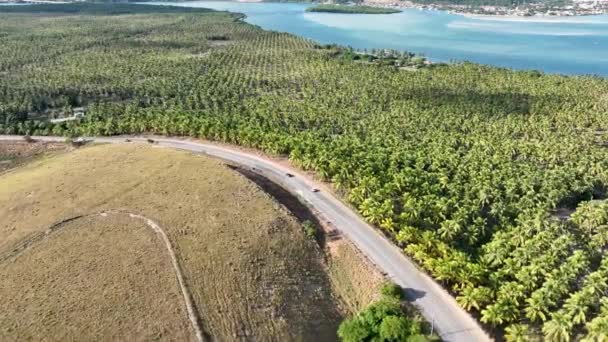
column 449, row 229
column 474, row 297
column 558, row 329
column 518, row 333
column 597, row 330
column 504, row 310
column 467, row 299
column 492, row 314
column 370, row 210
column 536, row 309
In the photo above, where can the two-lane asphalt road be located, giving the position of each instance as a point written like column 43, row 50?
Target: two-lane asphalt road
column 436, row 305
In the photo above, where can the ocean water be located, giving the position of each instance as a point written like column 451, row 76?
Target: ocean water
column 567, row 45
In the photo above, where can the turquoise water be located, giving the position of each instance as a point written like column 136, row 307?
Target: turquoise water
column 574, row 45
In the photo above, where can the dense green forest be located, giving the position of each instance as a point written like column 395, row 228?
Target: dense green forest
column 493, row 180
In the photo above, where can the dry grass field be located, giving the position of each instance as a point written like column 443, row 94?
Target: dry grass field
column 355, row 280
column 250, row 269
column 96, row 278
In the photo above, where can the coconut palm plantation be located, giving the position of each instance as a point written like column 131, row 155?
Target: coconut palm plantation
column 493, row 181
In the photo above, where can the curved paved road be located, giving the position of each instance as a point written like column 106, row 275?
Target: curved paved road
column 436, row 305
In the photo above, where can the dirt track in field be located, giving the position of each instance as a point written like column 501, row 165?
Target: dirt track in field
column 92, row 278
column 193, row 315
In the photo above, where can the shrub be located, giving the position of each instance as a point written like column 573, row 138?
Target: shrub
column 384, row 320
column 309, row 229
column 391, row 290
column 381, row 321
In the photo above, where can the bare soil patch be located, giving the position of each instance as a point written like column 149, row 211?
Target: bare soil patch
column 219, row 43
column 16, row 153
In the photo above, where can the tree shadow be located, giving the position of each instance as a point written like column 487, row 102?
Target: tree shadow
column 291, row 202
column 318, row 327
column 412, row 295
column 490, row 104
column 568, row 204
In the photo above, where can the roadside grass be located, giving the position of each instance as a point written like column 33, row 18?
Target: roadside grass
column 252, row 271
column 353, row 276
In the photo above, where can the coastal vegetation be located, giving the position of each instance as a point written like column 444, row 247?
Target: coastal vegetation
column 492, row 180
column 351, row 9
column 386, row 57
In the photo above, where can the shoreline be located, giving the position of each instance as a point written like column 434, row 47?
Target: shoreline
column 483, row 12
column 581, row 10
column 540, row 17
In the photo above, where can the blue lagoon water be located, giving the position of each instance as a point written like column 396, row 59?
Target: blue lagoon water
column 567, row 45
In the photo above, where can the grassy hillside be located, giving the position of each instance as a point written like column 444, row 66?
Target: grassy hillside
column 244, row 257
column 493, row 180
